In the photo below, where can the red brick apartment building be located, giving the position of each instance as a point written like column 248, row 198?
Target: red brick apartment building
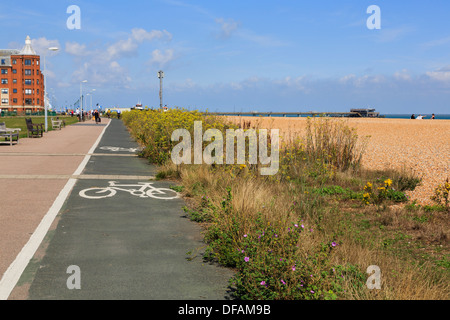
column 21, row 80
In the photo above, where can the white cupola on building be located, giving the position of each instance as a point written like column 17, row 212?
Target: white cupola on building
column 28, row 49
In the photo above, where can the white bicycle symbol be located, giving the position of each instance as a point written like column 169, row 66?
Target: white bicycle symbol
column 119, row 149
column 146, row 190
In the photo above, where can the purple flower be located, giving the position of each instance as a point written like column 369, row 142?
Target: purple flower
column 293, row 268
column 245, row 236
column 263, row 283
column 282, row 281
column 333, row 244
column 246, row 259
column 303, row 227
column 312, row 291
column 296, row 225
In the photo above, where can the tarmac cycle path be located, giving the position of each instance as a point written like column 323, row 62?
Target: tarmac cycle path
column 118, row 237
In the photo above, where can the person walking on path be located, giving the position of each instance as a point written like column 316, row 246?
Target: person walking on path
column 96, row 116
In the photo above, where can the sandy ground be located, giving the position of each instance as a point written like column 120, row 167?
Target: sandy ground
column 421, row 145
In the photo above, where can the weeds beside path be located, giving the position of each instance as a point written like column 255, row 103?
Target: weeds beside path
column 312, row 230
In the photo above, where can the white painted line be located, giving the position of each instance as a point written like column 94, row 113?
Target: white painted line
column 15, row 270
column 91, row 151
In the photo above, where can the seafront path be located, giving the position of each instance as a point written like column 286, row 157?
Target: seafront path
column 81, row 217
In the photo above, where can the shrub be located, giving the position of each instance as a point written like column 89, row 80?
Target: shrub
column 376, row 194
column 154, row 128
column 441, row 194
column 334, row 142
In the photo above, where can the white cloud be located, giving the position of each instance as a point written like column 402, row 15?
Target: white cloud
column 41, row 46
column 348, row 78
column 112, row 74
column 162, row 58
column 129, row 46
column 442, row 75
column 353, row 80
column 101, row 65
column 122, row 48
column 227, row 27
column 76, row 49
column 142, row 35
column 402, row 75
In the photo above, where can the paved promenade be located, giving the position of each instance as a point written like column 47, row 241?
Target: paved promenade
column 60, row 208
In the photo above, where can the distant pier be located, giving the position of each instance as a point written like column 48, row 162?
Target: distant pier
column 353, row 114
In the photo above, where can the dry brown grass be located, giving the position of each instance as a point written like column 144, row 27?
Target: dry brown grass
column 406, row 245
column 400, row 279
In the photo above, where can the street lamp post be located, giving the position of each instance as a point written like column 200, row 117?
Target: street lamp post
column 92, row 93
column 160, row 76
column 45, row 86
column 81, row 97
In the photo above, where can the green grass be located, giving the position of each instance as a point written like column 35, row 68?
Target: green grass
column 19, row 122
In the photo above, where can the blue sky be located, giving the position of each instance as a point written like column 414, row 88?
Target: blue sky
column 286, row 55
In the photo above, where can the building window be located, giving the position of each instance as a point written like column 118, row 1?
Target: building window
column 14, row 100
column 14, row 90
column 4, row 91
column 28, row 72
column 37, row 81
column 4, row 71
column 37, row 63
column 28, row 102
column 14, row 80
column 28, row 82
column 3, row 61
column 14, row 61
column 37, row 92
column 28, row 92
column 5, row 101
column 14, row 71
column 28, row 62
column 37, row 72
column 4, row 81
column 37, row 101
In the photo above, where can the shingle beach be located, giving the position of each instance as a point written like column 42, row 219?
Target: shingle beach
column 420, row 145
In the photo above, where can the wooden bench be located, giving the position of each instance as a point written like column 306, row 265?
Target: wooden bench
column 9, row 133
column 56, row 124
column 34, row 129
